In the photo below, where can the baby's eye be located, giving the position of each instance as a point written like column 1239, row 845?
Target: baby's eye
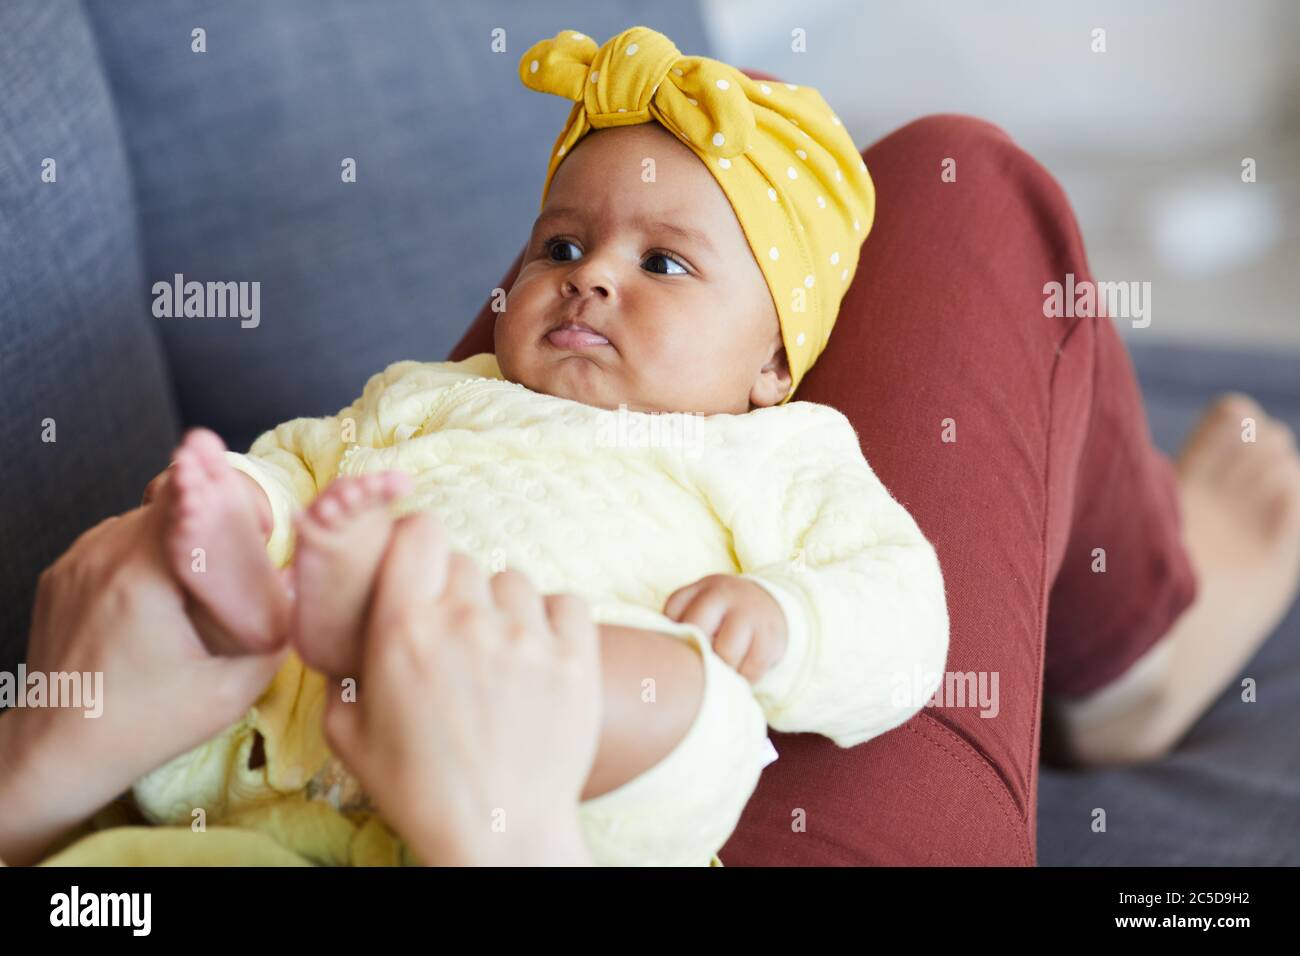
column 670, row 259
column 552, row 244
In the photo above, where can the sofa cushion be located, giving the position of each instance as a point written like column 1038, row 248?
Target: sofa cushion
column 79, row 362
column 237, row 154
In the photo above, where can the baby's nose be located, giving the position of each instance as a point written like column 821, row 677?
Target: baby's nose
column 594, row 285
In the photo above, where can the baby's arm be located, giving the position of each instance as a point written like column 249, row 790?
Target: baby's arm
column 859, row 585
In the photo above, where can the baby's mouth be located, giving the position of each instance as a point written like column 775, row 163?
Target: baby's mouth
column 574, row 337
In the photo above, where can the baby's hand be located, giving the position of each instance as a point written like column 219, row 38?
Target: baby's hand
column 746, row 624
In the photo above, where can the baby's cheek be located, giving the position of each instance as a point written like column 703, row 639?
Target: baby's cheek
column 684, row 348
column 513, row 323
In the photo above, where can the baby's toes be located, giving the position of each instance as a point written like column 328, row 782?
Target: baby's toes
column 372, row 484
column 209, row 449
column 385, row 486
column 189, row 481
column 326, row 510
column 351, row 496
column 394, row 484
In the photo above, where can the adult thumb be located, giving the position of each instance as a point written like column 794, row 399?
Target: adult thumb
column 342, row 725
column 238, row 681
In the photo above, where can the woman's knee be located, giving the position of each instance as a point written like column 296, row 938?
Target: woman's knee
column 956, row 149
column 938, row 129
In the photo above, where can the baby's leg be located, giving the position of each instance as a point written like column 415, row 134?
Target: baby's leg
column 215, row 539
column 341, row 539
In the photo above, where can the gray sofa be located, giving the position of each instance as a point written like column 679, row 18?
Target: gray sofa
column 225, row 165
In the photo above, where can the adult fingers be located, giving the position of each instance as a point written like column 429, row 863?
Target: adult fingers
column 155, row 485
column 343, row 730
column 231, row 684
column 466, row 583
column 575, row 632
column 516, row 597
column 412, row 575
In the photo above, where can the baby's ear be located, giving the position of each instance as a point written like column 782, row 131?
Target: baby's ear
column 773, row 382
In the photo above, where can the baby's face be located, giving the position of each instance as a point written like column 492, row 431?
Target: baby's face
column 662, row 274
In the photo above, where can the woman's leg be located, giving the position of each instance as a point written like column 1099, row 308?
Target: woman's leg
column 991, row 421
column 974, row 408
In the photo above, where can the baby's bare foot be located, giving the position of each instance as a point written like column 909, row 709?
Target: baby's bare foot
column 216, row 545
column 342, row 536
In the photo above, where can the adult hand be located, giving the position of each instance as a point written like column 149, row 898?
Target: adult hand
column 109, row 606
column 478, row 711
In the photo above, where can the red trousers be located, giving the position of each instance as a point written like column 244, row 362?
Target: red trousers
column 1020, row 445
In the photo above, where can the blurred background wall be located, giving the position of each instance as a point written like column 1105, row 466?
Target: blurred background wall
column 1147, row 138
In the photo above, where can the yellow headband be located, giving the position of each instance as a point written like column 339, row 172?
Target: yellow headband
column 789, row 169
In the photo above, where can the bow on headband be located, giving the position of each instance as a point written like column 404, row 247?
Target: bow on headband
column 638, row 75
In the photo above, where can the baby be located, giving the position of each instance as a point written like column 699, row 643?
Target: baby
column 698, row 230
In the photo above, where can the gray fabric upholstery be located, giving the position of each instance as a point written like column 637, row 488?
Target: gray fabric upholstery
column 1230, row 793
column 237, row 153
column 77, row 343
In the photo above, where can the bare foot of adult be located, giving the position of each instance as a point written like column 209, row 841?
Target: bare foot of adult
column 1241, row 501
column 1241, row 516
column 215, row 539
column 341, row 540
